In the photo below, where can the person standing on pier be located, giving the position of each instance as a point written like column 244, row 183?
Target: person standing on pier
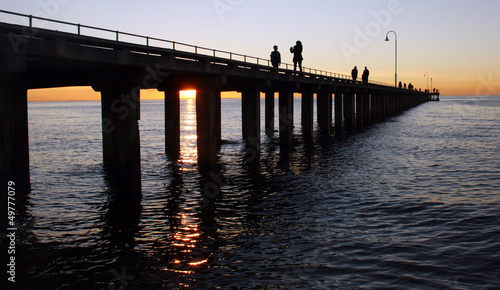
column 275, row 57
column 354, row 73
column 365, row 75
column 297, row 55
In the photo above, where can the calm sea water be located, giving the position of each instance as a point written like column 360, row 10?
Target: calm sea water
column 411, row 203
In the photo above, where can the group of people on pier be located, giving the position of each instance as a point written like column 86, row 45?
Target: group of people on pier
column 401, row 86
column 364, row 76
column 297, row 56
column 297, row 61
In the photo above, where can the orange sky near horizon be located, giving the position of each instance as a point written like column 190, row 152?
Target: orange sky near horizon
column 68, row 94
column 459, row 86
column 88, row 94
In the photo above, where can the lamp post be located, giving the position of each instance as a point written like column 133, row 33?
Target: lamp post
column 427, row 74
column 396, row 56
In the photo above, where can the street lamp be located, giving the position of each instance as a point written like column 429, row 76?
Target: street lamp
column 396, row 56
column 427, row 74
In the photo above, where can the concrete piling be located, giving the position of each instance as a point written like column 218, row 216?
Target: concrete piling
column 286, row 118
column 250, row 103
column 307, row 114
column 206, row 107
column 324, row 111
column 14, row 145
column 120, row 136
column 172, row 124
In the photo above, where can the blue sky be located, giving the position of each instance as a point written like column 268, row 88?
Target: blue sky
column 456, row 42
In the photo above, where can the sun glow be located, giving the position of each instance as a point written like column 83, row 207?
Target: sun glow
column 189, row 94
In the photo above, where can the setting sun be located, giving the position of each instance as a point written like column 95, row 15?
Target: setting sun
column 190, row 94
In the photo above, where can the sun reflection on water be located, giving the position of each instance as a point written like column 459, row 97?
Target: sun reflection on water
column 186, row 242
column 186, row 253
column 189, row 152
column 189, row 119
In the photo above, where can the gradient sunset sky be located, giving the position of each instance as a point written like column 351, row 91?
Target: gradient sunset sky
column 456, row 42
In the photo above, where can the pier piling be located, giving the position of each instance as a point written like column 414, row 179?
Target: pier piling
column 14, row 148
column 286, row 118
column 269, row 114
column 366, row 107
column 120, row 135
column 172, row 124
column 250, row 109
column 324, row 111
column 339, row 117
column 307, row 114
column 349, row 110
column 208, row 134
column 359, row 109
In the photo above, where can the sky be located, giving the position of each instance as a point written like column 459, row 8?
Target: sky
column 455, row 43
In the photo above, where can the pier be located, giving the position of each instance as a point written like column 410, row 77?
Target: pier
column 123, row 64
column 434, row 96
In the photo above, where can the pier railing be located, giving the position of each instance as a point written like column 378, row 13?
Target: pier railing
column 119, row 36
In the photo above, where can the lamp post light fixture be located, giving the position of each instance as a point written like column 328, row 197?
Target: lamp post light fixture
column 396, row 56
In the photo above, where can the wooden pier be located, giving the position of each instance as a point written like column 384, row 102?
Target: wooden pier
column 41, row 58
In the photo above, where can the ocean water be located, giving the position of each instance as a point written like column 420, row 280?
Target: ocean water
column 409, row 203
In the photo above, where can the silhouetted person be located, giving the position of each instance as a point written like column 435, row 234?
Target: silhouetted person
column 354, row 73
column 297, row 55
column 410, row 86
column 365, row 75
column 275, row 57
column 404, row 86
column 400, row 85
